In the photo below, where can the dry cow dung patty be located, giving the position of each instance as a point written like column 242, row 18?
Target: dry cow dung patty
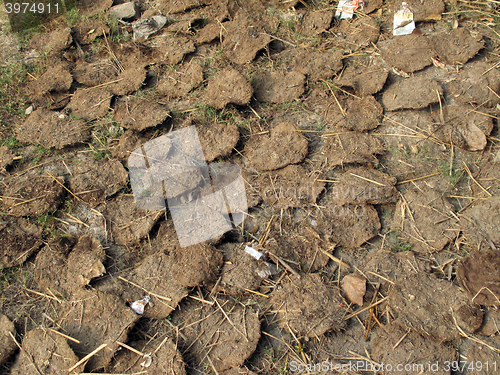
column 284, row 145
column 308, row 306
column 478, row 273
column 433, row 307
column 223, row 335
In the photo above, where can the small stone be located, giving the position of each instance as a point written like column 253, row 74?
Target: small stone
column 124, row 11
column 29, row 110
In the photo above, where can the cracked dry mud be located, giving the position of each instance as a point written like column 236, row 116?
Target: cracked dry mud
column 363, row 155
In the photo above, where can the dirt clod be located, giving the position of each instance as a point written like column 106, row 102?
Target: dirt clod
column 243, row 38
column 308, row 306
column 178, row 82
column 165, row 358
column 415, row 351
column 55, row 78
column 433, row 314
column 317, row 64
column 408, row 53
column 475, row 83
column 7, row 345
column 292, row 186
column 229, row 86
column 302, row 245
column 314, row 23
column 352, row 36
column 426, row 10
column 241, row 272
column 278, row 87
column 478, row 275
column 349, row 148
column 365, row 77
column 364, row 185
column 284, row 145
column 94, row 181
column 465, row 128
column 44, row 352
column 413, row 93
column 90, row 104
column 19, row 238
column 96, row 318
column 52, row 129
column 155, row 274
column 457, row 46
column 350, row 226
column 224, row 334
column 139, row 114
column 55, row 41
column 217, row 139
column 32, row 194
column 424, row 221
column 345, row 111
column 195, row 265
column 127, row 223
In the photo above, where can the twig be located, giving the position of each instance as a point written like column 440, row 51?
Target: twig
column 366, row 308
column 87, row 357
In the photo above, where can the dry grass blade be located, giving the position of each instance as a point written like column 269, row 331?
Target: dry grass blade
column 473, row 179
column 366, row 308
column 87, row 357
column 419, row 178
column 367, row 179
column 470, row 337
column 144, row 290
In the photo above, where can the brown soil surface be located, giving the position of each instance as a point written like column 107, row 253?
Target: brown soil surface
column 317, row 64
column 422, row 10
column 179, row 82
column 476, row 274
column 471, row 84
column 347, row 112
column 32, row 194
column 139, row 114
column 458, row 46
column 307, row 306
column 282, row 146
column 240, row 272
column 302, row 246
column 95, row 318
column 352, row 36
column 364, row 185
column 44, row 352
column 90, row 104
column 292, row 186
column 366, row 76
column 278, row 87
column 165, row 358
column 94, row 181
column 222, row 335
column 425, row 220
column 435, row 315
column 370, row 164
column 7, row 345
column 229, row 86
column 351, row 147
column 408, row 53
column 397, row 346
column 350, row 225
column 52, row 129
column 20, row 238
column 465, row 129
column 411, row 93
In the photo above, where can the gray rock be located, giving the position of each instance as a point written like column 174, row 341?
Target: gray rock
column 124, row 11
